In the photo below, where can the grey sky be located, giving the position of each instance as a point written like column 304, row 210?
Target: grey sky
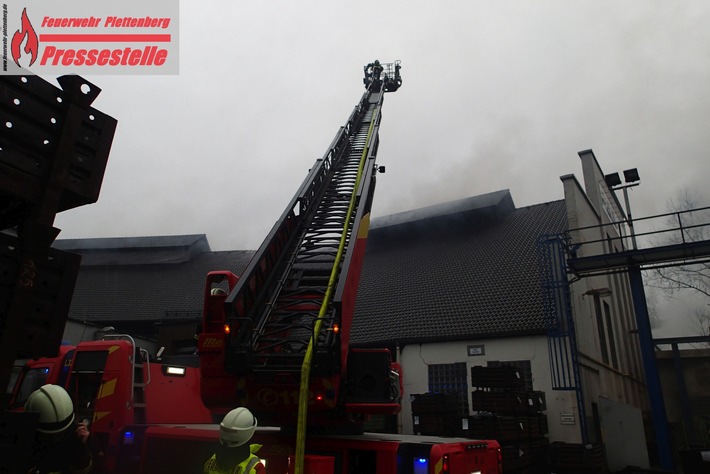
column 496, row 95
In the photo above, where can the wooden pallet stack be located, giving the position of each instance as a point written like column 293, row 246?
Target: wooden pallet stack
column 509, row 413
column 440, row 414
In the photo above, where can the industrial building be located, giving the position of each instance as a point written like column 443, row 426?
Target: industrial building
column 447, row 288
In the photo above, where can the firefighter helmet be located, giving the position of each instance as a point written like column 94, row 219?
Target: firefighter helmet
column 55, row 408
column 237, row 427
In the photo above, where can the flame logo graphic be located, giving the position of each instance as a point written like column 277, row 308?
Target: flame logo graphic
column 32, row 44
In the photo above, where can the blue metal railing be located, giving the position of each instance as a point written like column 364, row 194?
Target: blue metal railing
column 678, row 227
column 557, row 307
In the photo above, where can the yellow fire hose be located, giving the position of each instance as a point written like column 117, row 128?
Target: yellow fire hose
column 306, row 367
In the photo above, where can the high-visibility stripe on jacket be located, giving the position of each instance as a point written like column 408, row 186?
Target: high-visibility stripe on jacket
column 248, row 466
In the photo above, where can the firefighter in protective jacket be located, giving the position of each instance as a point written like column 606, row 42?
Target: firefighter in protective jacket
column 234, row 455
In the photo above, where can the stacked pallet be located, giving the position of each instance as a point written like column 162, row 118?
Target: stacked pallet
column 440, row 414
column 509, row 413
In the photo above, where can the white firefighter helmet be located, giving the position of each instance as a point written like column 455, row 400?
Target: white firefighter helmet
column 55, row 408
column 237, row 427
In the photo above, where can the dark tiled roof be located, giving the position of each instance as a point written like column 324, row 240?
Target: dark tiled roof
column 149, row 292
column 475, row 282
column 466, row 269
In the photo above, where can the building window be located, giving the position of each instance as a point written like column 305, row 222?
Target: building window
column 610, row 334
column 448, row 378
column 600, row 329
column 452, row 379
column 605, row 329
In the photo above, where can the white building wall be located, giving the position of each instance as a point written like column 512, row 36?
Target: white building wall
column 416, row 358
column 622, row 380
column 612, row 383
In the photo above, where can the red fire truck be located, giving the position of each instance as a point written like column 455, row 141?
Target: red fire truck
column 117, row 390
column 147, row 416
column 184, row 449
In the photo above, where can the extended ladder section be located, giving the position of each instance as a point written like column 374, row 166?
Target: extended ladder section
column 301, row 284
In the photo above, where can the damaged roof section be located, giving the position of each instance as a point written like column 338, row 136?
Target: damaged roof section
column 137, row 250
column 443, row 218
column 147, row 279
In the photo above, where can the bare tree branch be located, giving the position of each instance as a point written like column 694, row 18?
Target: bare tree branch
column 692, row 279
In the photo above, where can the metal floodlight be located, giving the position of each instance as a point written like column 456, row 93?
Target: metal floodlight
column 613, row 179
column 631, row 176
